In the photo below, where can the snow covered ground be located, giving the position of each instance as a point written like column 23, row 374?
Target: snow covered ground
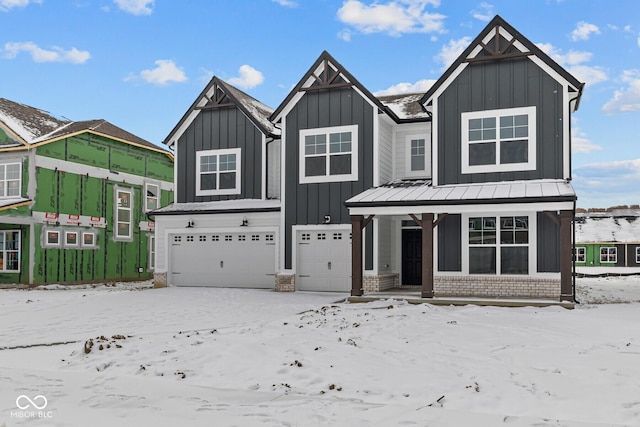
column 129, row 355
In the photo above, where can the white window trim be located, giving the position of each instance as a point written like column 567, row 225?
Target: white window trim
column 116, row 221
column 353, row 176
column 510, row 167
column 91, row 246
column 533, row 244
column 46, row 243
column 637, row 255
column 582, row 249
column 146, row 198
column 66, row 239
column 3, row 251
column 4, row 181
column 151, row 263
column 427, row 156
column 609, row 253
column 217, row 192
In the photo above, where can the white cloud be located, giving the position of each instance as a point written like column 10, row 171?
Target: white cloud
column 580, row 143
column 38, row 54
column 400, row 88
column 286, row 3
column 165, row 72
column 626, row 99
column 583, row 31
column 452, row 50
column 249, row 78
column 574, row 62
column 485, row 14
column 136, row 7
column 607, row 184
column 345, row 35
column 7, row 5
column 393, row 18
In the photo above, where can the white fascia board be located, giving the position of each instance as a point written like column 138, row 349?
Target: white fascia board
column 460, row 209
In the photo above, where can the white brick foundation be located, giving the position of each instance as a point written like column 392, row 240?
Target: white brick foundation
column 379, row 283
column 285, row 282
column 496, row 287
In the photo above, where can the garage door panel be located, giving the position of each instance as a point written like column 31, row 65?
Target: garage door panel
column 244, row 260
column 323, row 261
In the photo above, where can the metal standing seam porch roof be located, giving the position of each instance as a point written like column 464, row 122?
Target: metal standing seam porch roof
column 422, row 193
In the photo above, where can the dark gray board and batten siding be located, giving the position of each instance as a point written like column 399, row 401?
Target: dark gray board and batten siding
column 491, row 85
column 214, row 129
column 307, row 204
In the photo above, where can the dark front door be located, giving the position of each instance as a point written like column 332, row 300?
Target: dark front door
column 412, row 257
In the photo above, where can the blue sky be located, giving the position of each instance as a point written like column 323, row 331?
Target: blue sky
column 141, row 63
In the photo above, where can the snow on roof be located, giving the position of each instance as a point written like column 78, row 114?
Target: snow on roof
column 27, row 122
column 258, row 111
column 221, row 206
column 610, row 228
column 405, row 106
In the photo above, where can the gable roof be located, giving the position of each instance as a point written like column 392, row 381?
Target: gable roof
column 517, row 46
column 32, row 126
column 327, row 73
column 220, row 94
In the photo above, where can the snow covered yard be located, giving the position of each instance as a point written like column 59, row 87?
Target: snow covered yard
column 136, row 356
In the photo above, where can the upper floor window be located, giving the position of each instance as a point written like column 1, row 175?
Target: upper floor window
column 218, row 172
column 418, row 156
column 152, row 197
column 124, row 214
column 499, row 140
column 10, row 176
column 329, row 154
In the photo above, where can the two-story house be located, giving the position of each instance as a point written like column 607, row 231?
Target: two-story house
column 464, row 190
column 74, row 197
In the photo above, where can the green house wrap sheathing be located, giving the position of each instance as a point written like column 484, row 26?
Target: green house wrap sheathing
column 77, row 177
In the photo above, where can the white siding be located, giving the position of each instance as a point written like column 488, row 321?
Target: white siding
column 400, row 144
column 385, row 155
column 385, row 245
column 273, row 168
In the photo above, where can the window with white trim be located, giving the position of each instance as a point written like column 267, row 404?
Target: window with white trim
column 638, row 255
column 124, row 214
column 499, row 140
column 609, row 255
column 152, row 197
column 89, row 240
column 52, row 238
column 417, row 156
column 71, row 239
column 580, row 254
column 10, row 179
column 152, row 252
column 329, row 154
column 499, row 245
column 218, row 172
column 10, row 250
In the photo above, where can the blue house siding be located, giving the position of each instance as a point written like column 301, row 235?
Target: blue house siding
column 309, row 203
column 491, row 85
column 220, row 128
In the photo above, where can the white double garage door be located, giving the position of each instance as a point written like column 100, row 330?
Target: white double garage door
column 248, row 259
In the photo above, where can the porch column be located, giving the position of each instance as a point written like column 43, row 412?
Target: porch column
column 356, row 255
column 427, row 255
column 566, row 291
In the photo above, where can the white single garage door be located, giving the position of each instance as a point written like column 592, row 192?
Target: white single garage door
column 323, row 260
column 242, row 260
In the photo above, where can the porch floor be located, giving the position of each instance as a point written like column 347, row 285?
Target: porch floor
column 411, row 294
